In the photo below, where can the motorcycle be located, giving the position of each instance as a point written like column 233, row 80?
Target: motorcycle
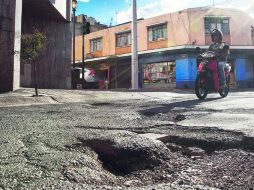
column 207, row 80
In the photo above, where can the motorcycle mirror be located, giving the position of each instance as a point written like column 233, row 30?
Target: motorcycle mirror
column 198, row 49
column 226, row 47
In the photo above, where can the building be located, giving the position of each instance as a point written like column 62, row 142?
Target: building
column 51, row 17
column 95, row 26
column 166, row 46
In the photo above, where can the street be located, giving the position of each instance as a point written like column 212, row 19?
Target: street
column 68, row 139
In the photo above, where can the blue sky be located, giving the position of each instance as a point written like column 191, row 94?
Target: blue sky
column 105, row 10
column 102, row 10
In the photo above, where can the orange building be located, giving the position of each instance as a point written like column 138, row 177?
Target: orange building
column 166, row 46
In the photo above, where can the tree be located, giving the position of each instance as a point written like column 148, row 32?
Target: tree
column 94, row 66
column 32, row 45
column 112, row 61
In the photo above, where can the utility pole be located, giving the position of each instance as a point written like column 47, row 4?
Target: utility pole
column 83, row 50
column 85, row 30
column 116, row 17
column 134, row 63
column 73, row 76
column 213, row 3
column 73, row 44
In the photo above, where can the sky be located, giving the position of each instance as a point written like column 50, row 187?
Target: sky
column 119, row 11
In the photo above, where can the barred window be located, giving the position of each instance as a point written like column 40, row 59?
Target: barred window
column 219, row 23
column 123, row 39
column 157, row 32
column 96, row 45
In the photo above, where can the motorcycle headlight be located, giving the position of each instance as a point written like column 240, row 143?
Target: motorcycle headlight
column 228, row 67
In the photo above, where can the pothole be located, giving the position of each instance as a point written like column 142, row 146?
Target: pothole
column 199, row 141
column 101, row 104
column 179, row 117
column 120, row 161
column 183, row 144
column 122, row 153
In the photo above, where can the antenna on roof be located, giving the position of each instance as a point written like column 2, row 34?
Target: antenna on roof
column 213, row 3
column 116, row 17
column 111, row 22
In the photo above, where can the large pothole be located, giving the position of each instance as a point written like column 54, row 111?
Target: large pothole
column 199, row 140
column 124, row 152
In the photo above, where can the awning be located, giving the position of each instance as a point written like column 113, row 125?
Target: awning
column 176, row 49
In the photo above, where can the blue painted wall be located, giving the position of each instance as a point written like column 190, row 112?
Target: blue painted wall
column 240, row 69
column 186, row 72
column 244, row 73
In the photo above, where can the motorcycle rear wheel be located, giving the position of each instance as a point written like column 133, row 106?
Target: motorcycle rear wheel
column 200, row 89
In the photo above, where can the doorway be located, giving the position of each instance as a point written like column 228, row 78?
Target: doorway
column 232, row 83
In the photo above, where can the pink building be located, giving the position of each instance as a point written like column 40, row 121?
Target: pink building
column 166, row 46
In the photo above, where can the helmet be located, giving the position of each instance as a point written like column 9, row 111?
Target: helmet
column 216, row 32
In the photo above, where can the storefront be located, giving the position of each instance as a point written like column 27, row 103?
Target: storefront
column 159, row 75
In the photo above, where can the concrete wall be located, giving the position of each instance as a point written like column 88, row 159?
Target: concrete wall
column 7, row 32
column 54, row 64
column 63, row 6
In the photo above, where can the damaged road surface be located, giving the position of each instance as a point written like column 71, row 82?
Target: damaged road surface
column 128, row 140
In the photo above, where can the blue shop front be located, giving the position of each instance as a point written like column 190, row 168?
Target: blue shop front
column 180, row 66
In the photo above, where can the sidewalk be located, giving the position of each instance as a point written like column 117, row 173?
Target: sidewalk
column 19, row 98
column 25, row 96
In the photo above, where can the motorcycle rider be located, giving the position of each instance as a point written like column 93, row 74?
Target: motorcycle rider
column 222, row 50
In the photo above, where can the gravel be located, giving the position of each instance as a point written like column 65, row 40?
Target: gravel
column 98, row 145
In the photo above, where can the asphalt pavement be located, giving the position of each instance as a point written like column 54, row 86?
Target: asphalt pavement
column 78, row 139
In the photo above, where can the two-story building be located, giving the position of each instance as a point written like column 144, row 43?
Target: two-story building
column 51, row 17
column 166, row 47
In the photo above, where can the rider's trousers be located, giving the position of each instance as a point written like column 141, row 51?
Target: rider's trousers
column 221, row 69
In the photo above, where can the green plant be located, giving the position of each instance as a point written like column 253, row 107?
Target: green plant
column 32, row 45
column 94, row 66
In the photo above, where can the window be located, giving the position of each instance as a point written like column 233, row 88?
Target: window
column 219, row 23
column 96, row 45
column 123, row 39
column 157, row 32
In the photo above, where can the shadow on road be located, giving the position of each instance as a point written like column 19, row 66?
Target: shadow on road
column 165, row 108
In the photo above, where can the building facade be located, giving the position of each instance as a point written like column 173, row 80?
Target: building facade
column 166, row 46
column 51, row 17
column 94, row 25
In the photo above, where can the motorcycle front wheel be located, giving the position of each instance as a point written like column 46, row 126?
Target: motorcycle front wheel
column 200, row 88
column 224, row 92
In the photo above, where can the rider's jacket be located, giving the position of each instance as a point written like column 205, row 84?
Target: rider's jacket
column 220, row 50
